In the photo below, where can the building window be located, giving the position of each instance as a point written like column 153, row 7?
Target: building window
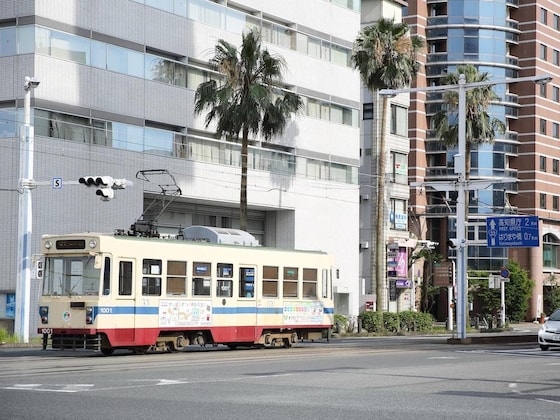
column 555, row 130
column 555, row 166
column 543, row 15
column 543, row 52
column 555, row 93
column 555, row 57
column 400, row 167
column 543, row 90
column 368, row 111
column 556, row 22
column 542, row 200
column 543, row 126
column 542, row 163
column 551, row 246
column 555, row 202
column 398, row 216
column 399, row 120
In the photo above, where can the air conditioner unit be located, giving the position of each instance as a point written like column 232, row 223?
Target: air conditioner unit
column 364, row 197
column 364, row 245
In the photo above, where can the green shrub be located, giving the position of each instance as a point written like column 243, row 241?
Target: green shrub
column 394, row 323
column 4, row 336
column 371, row 321
column 340, row 323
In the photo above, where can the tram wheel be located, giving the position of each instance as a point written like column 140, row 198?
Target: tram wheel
column 107, row 351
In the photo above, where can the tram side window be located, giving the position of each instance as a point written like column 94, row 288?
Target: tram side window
column 290, row 283
column 151, row 281
column 310, row 283
column 270, row 281
column 107, row 276
column 326, row 283
column 224, row 288
column 125, row 278
column 247, row 282
column 202, row 281
column 176, row 278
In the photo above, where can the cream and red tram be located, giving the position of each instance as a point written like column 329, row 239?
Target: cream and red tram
column 105, row 292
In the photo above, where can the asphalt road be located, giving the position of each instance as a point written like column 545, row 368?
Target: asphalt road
column 374, row 378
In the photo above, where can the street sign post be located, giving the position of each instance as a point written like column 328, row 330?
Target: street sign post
column 512, row 232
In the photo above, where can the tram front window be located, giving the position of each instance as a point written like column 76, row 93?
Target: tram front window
column 71, row 276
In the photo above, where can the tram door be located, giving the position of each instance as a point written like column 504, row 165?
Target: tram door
column 247, row 298
column 125, row 330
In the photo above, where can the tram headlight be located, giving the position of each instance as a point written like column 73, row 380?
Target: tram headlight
column 92, row 243
column 48, row 244
column 89, row 314
column 44, row 313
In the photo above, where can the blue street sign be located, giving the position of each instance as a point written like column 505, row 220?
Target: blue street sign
column 512, row 232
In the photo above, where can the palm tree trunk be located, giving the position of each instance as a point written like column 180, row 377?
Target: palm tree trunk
column 379, row 261
column 243, row 189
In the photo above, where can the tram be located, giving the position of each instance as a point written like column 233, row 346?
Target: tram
column 104, row 292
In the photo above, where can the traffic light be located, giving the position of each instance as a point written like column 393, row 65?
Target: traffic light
column 105, row 185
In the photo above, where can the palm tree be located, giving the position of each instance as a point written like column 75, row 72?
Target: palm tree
column 480, row 128
column 385, row 55
column 246, row 99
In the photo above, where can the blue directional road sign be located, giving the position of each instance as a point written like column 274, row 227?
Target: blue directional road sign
column 512, row 231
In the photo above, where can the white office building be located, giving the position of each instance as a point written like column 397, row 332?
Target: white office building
column 116, row 94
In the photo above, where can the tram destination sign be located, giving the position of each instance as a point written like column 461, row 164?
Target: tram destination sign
column 512, row 231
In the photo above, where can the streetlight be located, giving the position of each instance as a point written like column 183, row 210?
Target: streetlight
column 25, row 219
column 461, row 186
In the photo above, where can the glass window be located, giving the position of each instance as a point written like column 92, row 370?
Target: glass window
column 7, row 41
column 309, row 283
column 202, row 281
column 125, row 278
column 176, row 278
column 542, row 163
column 224, row 287
column 71, row 276
column 290, row 283
column 158, row 142
column 125, row 61
column 151, row 286
column 543, row 126
column 542, row 201
column 247, row 282
column 399, row 120
column 399, row 215
column 367, row 111
column 70, row 47
column 542, row 53
column 400, row 167
column 551, row 246
column 98, row 54
column 555, row 166
column 7, row 122
column 555, row 130
column 107, row 276
column 555, row 202
column 26, row 39
column 326, row 283
column 270, row 281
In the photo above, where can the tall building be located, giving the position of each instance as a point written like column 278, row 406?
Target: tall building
column 398, row 291
column 506, row 39
column 116, row 94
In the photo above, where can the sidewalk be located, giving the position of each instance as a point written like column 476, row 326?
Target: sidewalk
column 523, row 332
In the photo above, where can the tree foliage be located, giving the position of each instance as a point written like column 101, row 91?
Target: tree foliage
column 480, row 127
column 247, row 99
column 386, row 56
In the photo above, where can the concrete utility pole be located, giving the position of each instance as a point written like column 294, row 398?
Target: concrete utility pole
column 25, row 217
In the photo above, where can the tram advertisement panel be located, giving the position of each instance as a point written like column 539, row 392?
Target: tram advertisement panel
column 180, row 313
